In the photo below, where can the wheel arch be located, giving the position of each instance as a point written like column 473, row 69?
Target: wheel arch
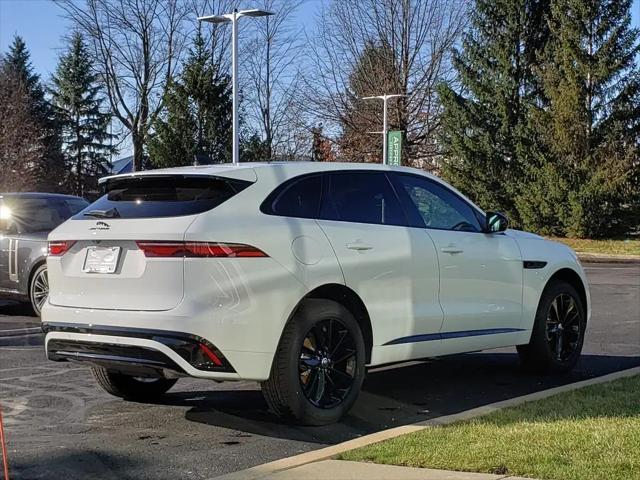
column 32, row 271
column 572, row 278
column 349, row 300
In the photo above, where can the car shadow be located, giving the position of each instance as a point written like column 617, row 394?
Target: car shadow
column 93, row 464
column 396, row 395
column 18, row 309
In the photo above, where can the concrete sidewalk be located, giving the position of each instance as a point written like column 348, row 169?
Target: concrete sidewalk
column 343, row 470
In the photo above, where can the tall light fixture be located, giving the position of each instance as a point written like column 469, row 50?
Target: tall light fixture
column 233, row 17
column 384, row 99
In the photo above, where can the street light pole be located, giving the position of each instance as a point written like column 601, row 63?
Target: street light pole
column 384, row 99
column 233, row 18
column 235, row 150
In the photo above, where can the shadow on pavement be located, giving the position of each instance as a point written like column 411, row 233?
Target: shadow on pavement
column 67, row 464
column 21, row 309
column 396, row 395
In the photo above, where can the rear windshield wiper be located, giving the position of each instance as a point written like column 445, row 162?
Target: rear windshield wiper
column 111, row 213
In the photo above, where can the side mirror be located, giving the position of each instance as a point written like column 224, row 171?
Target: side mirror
column 496, row 222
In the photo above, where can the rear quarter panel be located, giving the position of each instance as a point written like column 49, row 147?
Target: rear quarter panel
column 251, row 299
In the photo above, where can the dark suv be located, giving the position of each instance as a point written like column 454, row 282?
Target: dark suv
column 25, row 221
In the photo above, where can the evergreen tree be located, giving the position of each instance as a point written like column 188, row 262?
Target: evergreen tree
column 486, row 135
column 196, row 122
column 48, row 167
column 374, row 74
column 253, row 148
column 590, row 119
column 76, row 95
column 20, row 147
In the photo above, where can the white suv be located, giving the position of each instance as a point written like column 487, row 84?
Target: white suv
column 299, row 275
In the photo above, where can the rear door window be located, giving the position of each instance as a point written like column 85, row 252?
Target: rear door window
column 156, row 196
column 361, row 197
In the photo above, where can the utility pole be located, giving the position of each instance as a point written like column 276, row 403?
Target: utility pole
column 385, row 129
column 233, row 18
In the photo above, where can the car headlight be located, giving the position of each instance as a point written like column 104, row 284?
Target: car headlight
column 5, row 212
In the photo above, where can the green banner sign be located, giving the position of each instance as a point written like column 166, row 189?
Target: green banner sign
column 394, row 147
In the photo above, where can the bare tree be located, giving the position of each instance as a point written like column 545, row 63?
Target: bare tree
column 21, row 146
column 419, row 34
column 136, row 46
column 272, row 77
column 217, row 36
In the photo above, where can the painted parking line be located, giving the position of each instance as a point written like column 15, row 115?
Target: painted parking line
column 19, row 349
column 21, row 331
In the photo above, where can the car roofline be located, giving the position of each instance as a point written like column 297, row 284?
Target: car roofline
column 311, row 167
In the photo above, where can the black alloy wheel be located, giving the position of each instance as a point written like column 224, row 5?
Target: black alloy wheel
column 558, row 332
column 319, row 366
column 563, row 327
column 327, row 363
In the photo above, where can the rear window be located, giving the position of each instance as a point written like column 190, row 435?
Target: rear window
column 161, row 196
column 30, row 215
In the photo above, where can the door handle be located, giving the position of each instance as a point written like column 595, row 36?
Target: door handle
column 451, row 249
column 359, row 246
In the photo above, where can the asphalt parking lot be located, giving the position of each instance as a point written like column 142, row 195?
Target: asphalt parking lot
column 60, row 425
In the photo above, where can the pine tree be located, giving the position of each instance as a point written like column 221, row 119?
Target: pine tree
column 20, row 147
column 374, row 74
column 486, row 136
column 591, row 116
column 196, row 123
column 47, row 168
column 76, row 95
column 253, row 148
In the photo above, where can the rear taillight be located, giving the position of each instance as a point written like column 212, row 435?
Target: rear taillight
column 199, row 249
column 57, row 249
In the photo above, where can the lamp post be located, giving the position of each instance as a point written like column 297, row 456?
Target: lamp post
column 384, row 99
column 233, row 17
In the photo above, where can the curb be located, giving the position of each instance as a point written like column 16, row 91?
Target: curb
column 261, row 471
column 608, row 258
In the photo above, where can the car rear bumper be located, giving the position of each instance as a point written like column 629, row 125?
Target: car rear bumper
column 149, row 352
column 135, row 349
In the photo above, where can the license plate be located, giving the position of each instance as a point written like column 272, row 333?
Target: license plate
column 101, row 260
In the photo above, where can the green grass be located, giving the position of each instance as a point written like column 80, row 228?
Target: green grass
column 617, row 247
column 587, row 434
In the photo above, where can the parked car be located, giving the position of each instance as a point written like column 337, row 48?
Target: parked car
column 25, row 221
column 299, row 276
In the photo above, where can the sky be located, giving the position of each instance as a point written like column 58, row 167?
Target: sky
column 41, row 24
column 43, row 28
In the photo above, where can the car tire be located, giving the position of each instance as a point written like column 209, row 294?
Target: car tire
column 558, row 331
column 132, row 388
column 39, row 288
column 319, row 366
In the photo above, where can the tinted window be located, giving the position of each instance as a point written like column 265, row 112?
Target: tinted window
column 29, row 215
column 161, row 196
column 363, row 197
column 297, row 198
column 434, row 206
